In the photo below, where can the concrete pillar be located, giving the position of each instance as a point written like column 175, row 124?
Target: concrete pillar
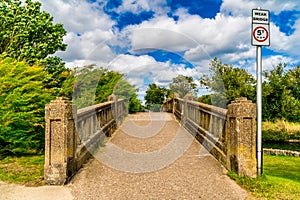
column 176, row 96
column 241, row 137
column 60, row 141
column 185, row 110
column 114, row 107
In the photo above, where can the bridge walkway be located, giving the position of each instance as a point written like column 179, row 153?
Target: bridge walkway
column 152, row 157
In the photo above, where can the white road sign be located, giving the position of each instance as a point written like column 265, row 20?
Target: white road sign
column 260, row 27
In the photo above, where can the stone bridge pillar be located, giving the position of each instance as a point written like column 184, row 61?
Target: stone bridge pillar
column 241, row 137
column 60, row 141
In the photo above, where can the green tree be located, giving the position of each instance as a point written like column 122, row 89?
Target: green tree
column 228, row 83
column 183, row 85
column 60, row 76
column 281, row 98
column 27, row 33
column 155, row 96
column 93, row 85
column 22, row 106
column 135, row 105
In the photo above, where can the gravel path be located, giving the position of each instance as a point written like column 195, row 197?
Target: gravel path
column 152, row 157
column 20, row 192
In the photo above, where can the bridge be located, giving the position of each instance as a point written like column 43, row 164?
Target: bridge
column 183, row 152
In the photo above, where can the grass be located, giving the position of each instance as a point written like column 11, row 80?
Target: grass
column 280, row 180
column 26, row 170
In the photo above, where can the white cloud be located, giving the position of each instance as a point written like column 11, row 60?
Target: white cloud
column 270, row 62
column 159, row 7
column 199, row 38
column 78, row 16
column 160, row 38
column 90, row 45
column 244, row 7
column 137, row 68
column 88, row 29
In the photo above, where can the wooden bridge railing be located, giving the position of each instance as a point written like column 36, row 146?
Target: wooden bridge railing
column 228, row 134
column 72, row 135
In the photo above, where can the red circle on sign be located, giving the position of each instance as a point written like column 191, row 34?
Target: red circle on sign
column 261, row 40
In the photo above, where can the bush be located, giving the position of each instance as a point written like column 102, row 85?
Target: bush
column 280, row 131
column 22, row 107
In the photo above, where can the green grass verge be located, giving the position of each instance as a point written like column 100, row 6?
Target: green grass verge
column 280, row 180
column 27, row 170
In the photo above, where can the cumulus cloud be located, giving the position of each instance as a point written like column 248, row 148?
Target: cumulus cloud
column 199, row 38
column 244, row 7
column 137, row 6
column 143, row 68
column 78, row 16
column 88, row 28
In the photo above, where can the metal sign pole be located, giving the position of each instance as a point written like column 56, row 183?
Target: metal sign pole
column 260, row 37
column 259, row 108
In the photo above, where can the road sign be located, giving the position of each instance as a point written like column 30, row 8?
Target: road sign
column 260, row 27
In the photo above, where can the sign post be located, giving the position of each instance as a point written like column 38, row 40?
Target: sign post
column 260, row 37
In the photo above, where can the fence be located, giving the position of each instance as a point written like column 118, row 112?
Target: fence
column 229, row 134
column 72, row 135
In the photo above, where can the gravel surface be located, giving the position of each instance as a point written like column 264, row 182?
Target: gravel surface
column 20, row 192
column 152, row 157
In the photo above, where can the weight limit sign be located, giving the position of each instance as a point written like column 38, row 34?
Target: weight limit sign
column 260, row 27
column 260, row 35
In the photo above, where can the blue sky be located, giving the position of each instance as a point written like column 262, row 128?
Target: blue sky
column 154, row 41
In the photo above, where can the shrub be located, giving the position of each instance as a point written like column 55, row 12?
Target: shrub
column 22, row 107
column 280, row 131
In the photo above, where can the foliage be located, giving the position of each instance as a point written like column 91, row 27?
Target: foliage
column 93, row 85
column 280, row 179
column 281, row 96
column 155, row 96
column 28, row 169
column 183, row 85
column 27, row 33
column 22, row 102
column 280, row 131
column 135, row 105
column 228, row 83
column 291, row 146
column 59, row 78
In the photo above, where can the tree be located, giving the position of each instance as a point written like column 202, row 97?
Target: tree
column 155, row 96
column 228, row 83
column 281, row 98
column 93, row 85
column 60, row 77
column 135, row 105
column 27, row 33
column 183, row 85
column 22, row 106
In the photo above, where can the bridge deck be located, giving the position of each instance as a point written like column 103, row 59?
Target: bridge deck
column 152, row 157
